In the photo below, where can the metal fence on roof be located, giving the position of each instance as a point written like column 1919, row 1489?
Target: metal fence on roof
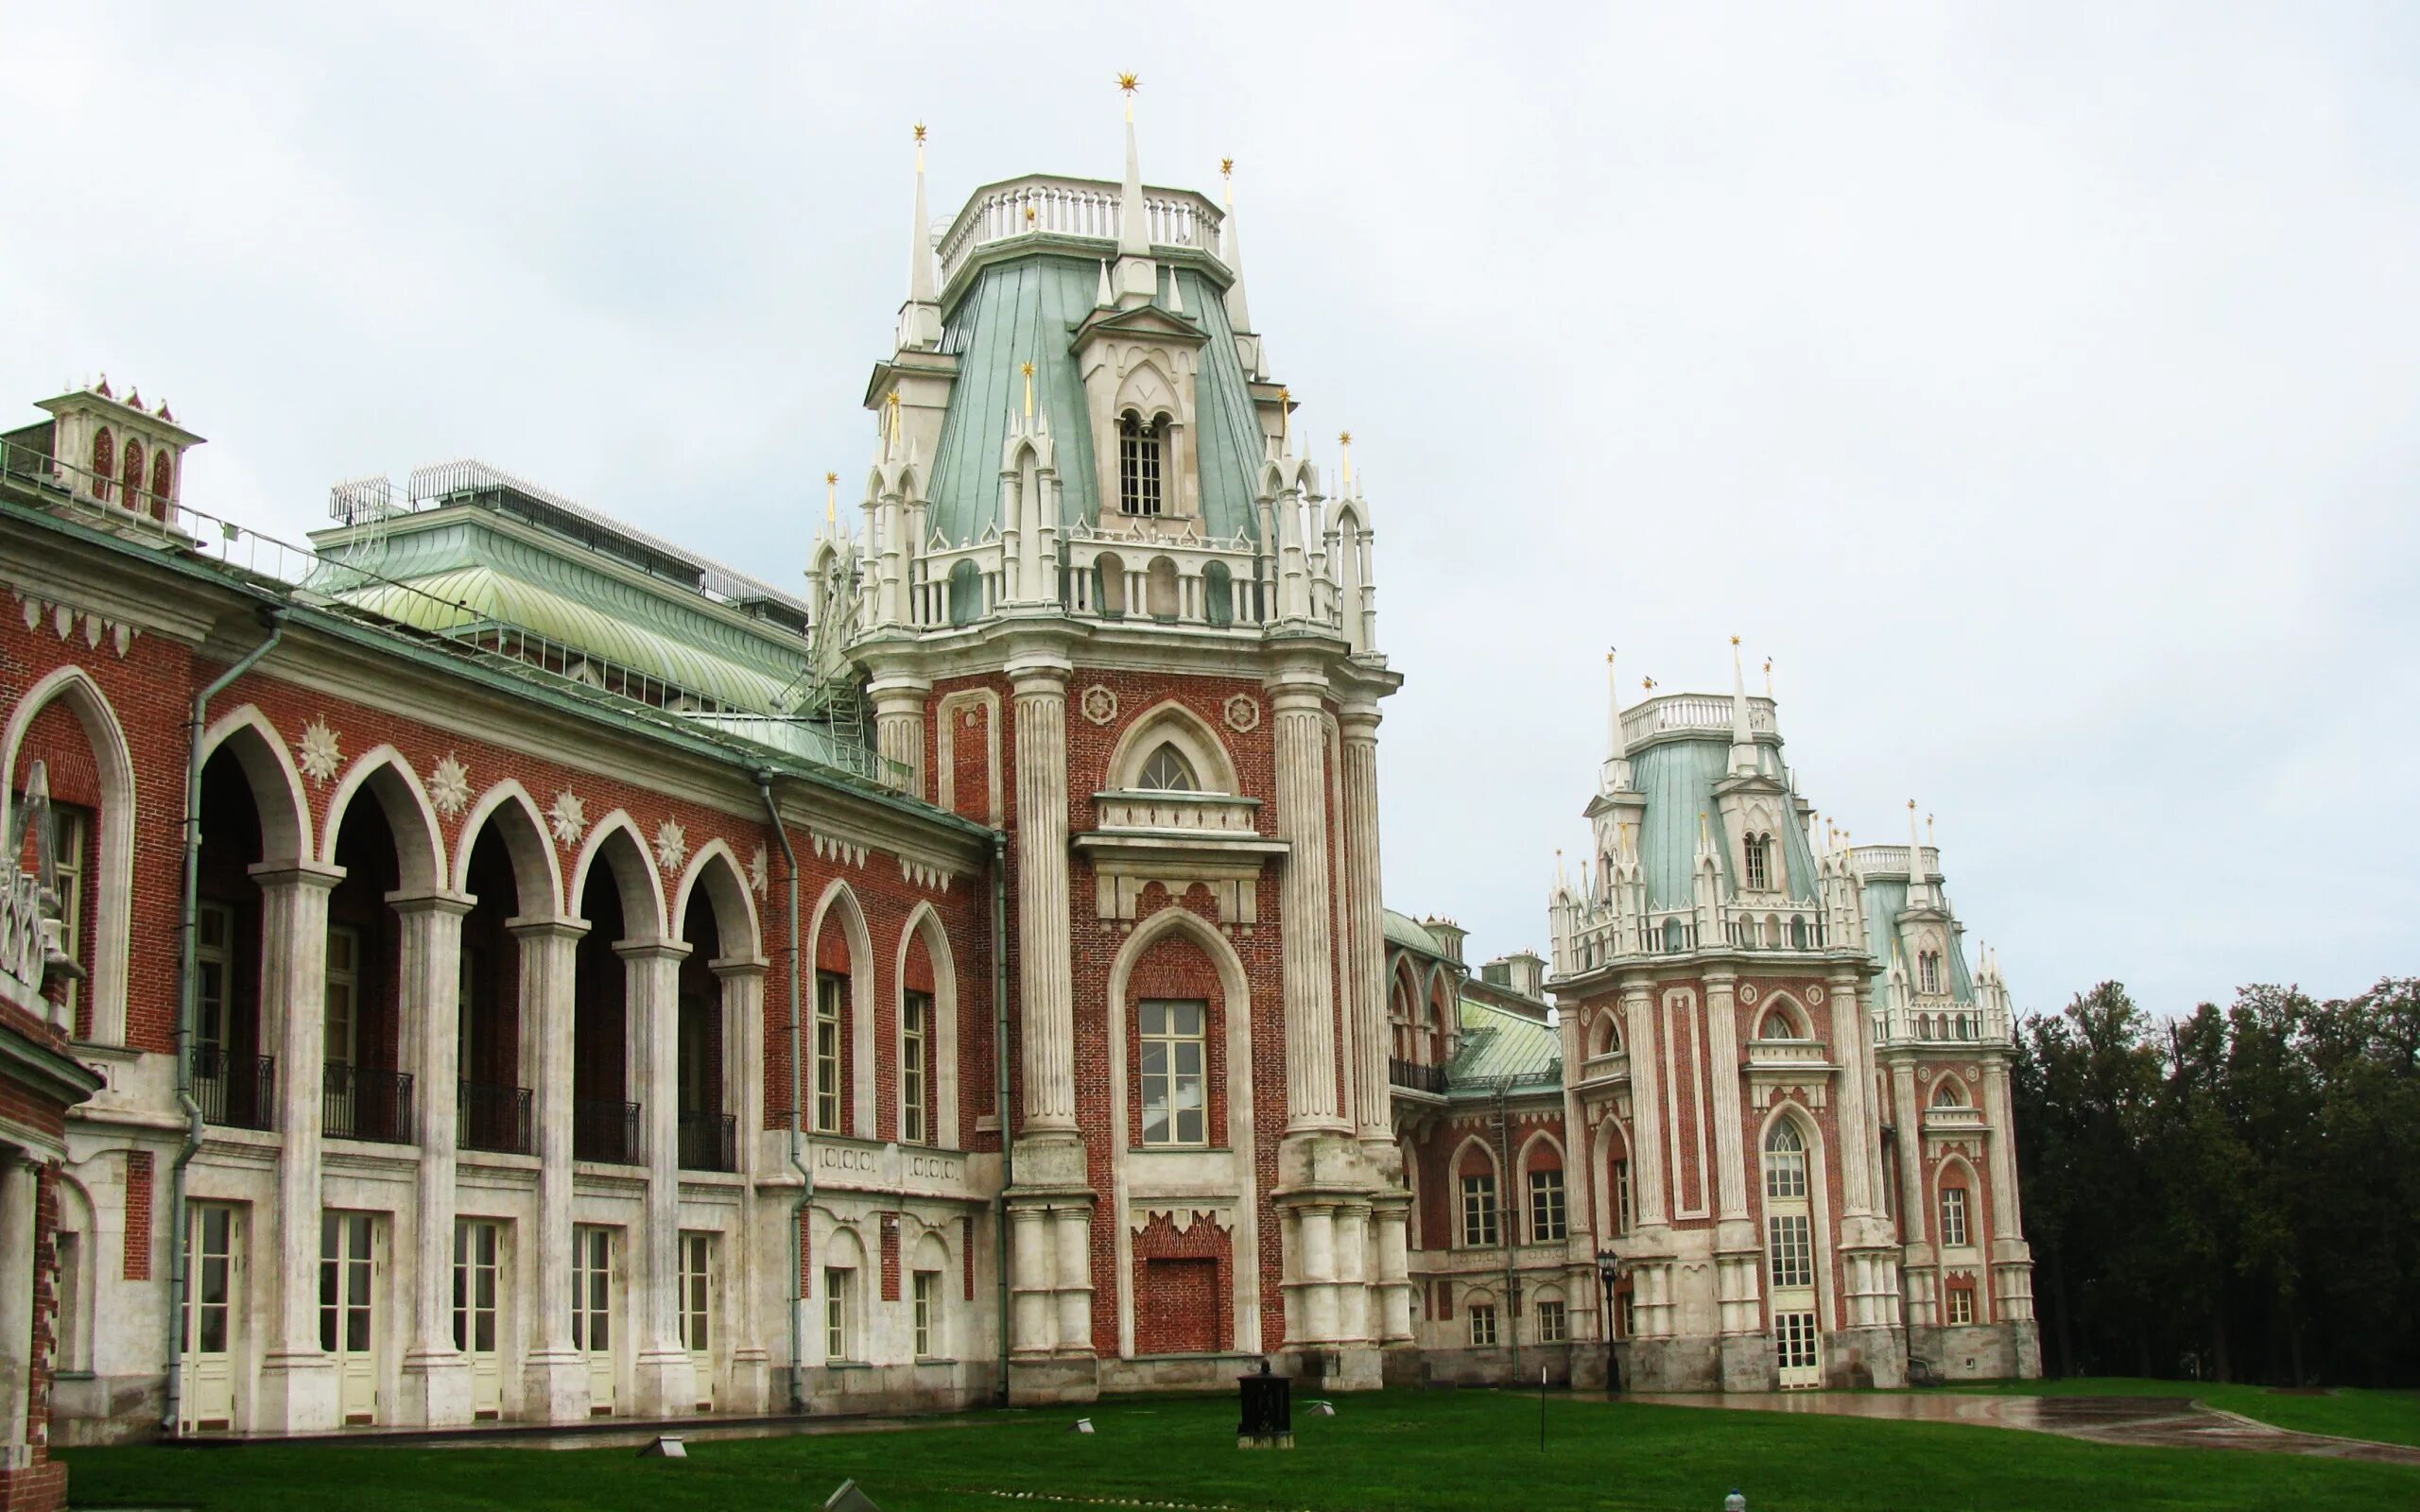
column 307, row 577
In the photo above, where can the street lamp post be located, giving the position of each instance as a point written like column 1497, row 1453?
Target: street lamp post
column 1608, row 1270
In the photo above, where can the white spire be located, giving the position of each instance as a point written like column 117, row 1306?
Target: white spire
column 1743, row 744
column 1919, row 881
column 1102, row 298
column 1231, row 251
column 920, row 319
column 1614, row 777
column 1138, row 281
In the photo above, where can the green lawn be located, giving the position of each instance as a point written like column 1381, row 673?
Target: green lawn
column 1445, row 1449
column 2387, row 1416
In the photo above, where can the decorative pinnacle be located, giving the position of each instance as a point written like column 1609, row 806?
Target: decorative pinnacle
column 1226, row 167
column 920, row 133
column 1647, row 683
column 1734, row 640
column 1128, row 84
column 1028, row 385
column 1030, row 216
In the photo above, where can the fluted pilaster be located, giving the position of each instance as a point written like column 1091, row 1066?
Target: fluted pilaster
column 1366, row 956
column 1311, row 1100
column 1045, row 995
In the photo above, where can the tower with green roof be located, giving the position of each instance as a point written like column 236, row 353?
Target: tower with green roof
column 1098, row 593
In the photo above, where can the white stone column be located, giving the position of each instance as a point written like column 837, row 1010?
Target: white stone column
column 1647, row 1110
column 2006, row 1218
column 1365, row 961
column 899, row 729
column 1306, row 942
column 1045, row 995
column 436, row 1377
column 555, row 1374
column 1915, row 1213
column 1392, row 1217
column 1861, row 1162
column 18, row 1192
column 1075, row 1278
column 1738, row 1256
column 743, row 1059
column 1034, row 1333
column 665, row 1376
column 297, row 1383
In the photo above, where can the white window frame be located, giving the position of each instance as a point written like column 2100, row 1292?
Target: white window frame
column 915, row 1064
column 1142, row 464
column 924, row 1292
column 1961, row 1307
column 1622, row 1197
column 69, row 822
column 1550, row 1208
column 1482, row 1220
column 831, row 1011
column 1954, row 1229
column 1177, row 1095
column 1555, row 1321
column 838, row 1335
column 699, row 1247
column 1482, row 1325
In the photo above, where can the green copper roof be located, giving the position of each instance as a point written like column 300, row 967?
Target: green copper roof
column 463, row 573
column 1678, row 778
column 1026, row 310
column 1499, row 1045
column 1885, row 900
column 1402, row 929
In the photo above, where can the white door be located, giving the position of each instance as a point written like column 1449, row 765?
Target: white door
column 592, row 1310
column 698, row 1289
column 349, row 1284
column 214, row 1271
column 477, row 1246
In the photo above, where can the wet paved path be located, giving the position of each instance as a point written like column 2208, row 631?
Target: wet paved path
column 2168, row 1423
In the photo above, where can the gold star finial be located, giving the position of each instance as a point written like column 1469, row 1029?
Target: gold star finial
column 1226, row 167
column 1029, row 390
column 1130, row 82
column 1030, row 216
column 920, row 133
column 1647, row 683
column 1734, row 640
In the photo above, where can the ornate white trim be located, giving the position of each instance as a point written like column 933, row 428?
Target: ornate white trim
column 672, row 845
column 1243, row 713
column 1098, row 703
column 449, row 787
column 318, row 753
column 920, row 875
column 758, row 872
column 65, row 619
column 568, row 818
column 831, row 848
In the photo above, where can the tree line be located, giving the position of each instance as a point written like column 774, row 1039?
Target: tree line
column 2234, row 1195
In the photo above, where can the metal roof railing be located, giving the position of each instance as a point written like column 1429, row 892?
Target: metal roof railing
column 309, row 577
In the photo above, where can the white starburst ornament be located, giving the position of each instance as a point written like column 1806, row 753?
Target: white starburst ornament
column 449, row 787
column 757, row 871
column 568, row 817
column 319, row 752
column 672, row 845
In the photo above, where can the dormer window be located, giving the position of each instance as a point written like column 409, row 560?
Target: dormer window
column 1141, row 449
column 1166, row 770
column 1760, row 862
column 1927, row 971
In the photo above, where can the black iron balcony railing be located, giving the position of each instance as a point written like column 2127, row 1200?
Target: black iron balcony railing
column 1414, row 1077
column 235, row 1092
column 357, row 1103
column 709, row 1141
column 606, row 1131
column 492, row 1118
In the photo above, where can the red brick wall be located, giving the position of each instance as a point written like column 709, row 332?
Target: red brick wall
column 888, row 1222
column 1183, row 1283
column 137, row 1259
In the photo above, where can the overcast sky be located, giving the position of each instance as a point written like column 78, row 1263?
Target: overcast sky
column 2034, row 385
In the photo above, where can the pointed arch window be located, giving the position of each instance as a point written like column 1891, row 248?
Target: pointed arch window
column 1760, row 862
column 1166, row 770
column 104, row 463
column 1778, row 1025
column 1948, row 1094
column 1928, row 970
column 1142, row 446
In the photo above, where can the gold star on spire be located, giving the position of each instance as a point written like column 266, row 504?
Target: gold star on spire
column 920, row 132
column 1734, row 640
column 1226, row 167
column 1647, row 683
column 1130, row 82
column 1031, row 216
column 1028, row 385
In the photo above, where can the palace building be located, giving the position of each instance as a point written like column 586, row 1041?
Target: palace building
column 488, row 963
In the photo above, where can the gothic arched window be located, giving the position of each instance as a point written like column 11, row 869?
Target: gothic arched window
column 104, row 463
column 1785, row 1163
column 131, row 472
column 965, row 593
column 1141, row 448
column 1948, row 1094
column 1166, row 770
column 162, row 479
column 1760, row 863
column 1928, row 970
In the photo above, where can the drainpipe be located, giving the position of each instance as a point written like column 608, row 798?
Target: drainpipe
column 1000, row 1086
column 186, row 994
column 798, row 1164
